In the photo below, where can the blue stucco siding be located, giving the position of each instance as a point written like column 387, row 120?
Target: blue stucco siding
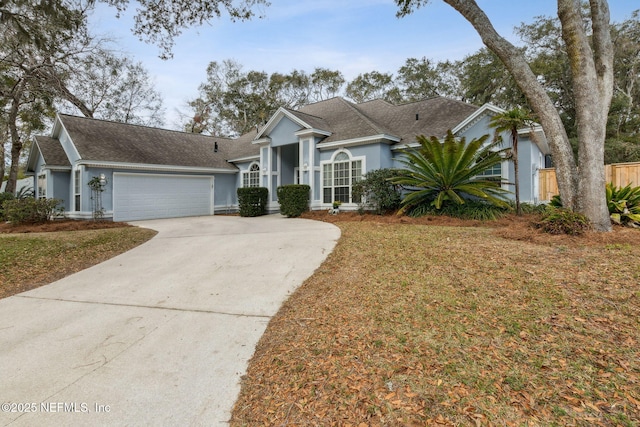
column 225, row 196
column 289, row 161
column 68, row 147
column 479, row 129
column 284, row 133
column 87, row 174
column 59, row 184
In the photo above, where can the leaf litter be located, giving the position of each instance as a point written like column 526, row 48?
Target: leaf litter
column 408, row 323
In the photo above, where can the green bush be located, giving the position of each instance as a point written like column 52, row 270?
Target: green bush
column 471, row 209
column 529, row 208
column 293, row 199
column 30, row 210
column 624, row 205
column 439, row 172
column 253, row 201
column 563, row 221
column 376, row 192
column 3, row 198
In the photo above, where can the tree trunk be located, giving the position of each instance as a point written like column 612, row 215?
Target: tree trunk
column 582, row 190
column 16, row 141
column 592, row 71
column 515, row 169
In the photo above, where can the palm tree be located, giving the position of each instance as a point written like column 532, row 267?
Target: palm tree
column 437, row 172
column 511, row 121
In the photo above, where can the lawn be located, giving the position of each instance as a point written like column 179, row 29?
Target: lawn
column 412, row 324
column 29, row 260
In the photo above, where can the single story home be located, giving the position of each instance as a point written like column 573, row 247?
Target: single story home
column 155, row 173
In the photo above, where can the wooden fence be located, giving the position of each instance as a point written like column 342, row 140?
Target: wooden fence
column 620, row 174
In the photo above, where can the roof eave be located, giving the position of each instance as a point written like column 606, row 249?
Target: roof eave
column 372, row 139
column 153, row 167
column 312, row 132
column 244, row 159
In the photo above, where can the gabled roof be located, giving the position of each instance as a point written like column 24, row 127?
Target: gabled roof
column 114, row 142
column 345, row 120
column 342, row 120
column 52, row 152
column 429, row 117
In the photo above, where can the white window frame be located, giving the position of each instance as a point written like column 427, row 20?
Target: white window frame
column 42, row 185
column 251, row 177
column 330, row 181
column 77, row 189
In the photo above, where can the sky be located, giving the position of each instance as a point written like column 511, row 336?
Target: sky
column 353, row 36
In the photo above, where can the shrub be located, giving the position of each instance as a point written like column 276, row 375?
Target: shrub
column 529, row 208
column 3, row 198
column 438, row 173
column 30, row 210
column 293, row 199
column 624, row 205
column 376, row 192
column 253, row 201
column 471, row 209
column 563, row 221
column 556, row 201
column 24, row 193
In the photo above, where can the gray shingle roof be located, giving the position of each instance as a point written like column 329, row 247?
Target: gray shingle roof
column 346, row 120
column 52, row 151
column 104, row 141
column 429, row 117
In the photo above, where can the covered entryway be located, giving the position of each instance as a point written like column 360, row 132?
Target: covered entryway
column 138, row 196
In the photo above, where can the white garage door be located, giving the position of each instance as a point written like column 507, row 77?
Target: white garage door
column 150, row 196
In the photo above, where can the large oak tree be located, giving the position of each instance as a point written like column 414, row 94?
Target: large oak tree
column 591, row 62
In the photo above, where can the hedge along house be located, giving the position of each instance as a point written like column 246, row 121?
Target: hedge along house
column 148, row 172
column 329, row 145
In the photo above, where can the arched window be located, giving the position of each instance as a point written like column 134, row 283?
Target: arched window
column 338, row 176
column 251, row 177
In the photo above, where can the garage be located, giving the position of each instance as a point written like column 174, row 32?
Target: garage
column 138, row 196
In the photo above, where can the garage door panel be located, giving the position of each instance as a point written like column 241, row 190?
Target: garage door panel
column 144, row 196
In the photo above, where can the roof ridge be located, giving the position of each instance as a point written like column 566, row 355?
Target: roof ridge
column 141, row 126
column 365, row 117
column 302, row 112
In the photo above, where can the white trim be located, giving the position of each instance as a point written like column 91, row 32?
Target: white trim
column 372, row 139
column 476, row 116
column 244, row 159
column 77, row 169
column 363, row 169
column 265, row 140
column 152, row 167
column 45, row 176
column 57, row 136
column 57, row 168
column 312, row 132
column 405, row 146
column 273, row 121
column 246, row 172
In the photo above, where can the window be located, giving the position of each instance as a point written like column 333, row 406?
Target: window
column 338, row 178
column 492, row 174
column 76, row 190
column 251, row 177
column 42, row 186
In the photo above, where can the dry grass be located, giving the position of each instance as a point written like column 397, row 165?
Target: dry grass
column 413, row 324
column 32, row 256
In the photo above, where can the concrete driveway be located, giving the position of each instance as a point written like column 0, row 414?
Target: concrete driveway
column 159, row 335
